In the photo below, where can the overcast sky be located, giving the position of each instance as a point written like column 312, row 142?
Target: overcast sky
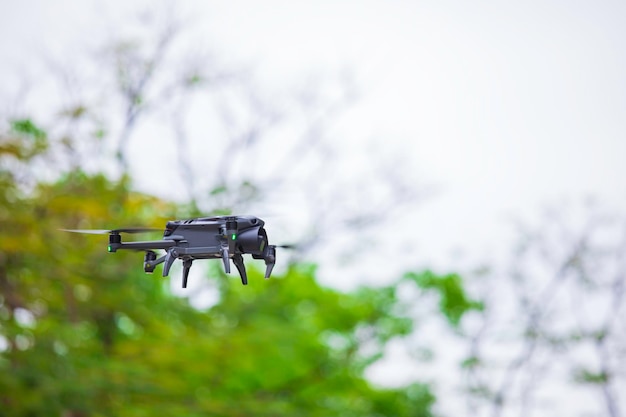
column 503, row 107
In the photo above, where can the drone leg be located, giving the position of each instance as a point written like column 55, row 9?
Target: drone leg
column 238, row 261
column 168, row 261
column 270, row 260
column 186, row 268
column 226, row 260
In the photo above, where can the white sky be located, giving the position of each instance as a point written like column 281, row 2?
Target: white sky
column 506, row 106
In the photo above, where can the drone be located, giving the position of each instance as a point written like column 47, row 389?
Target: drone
column 225, row 237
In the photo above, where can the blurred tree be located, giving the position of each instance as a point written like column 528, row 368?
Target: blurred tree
column 152, row 99
column 84, row 334
column 553, row 324
column 454, row 301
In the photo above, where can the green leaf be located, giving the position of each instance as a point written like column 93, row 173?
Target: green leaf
column 585, row 376
column 454, row 302
column 107, row 339
column 28, row 128
column 218, row 190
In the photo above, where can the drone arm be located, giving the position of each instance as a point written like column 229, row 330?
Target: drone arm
column 149, row 245
column 152, row 264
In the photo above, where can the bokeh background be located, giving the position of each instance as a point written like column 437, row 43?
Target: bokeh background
column 451, row 176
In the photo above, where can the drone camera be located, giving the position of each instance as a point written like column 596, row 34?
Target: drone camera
column 148, row 258
column 252, row 240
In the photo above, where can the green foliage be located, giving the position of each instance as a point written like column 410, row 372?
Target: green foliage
column 584, row 376
column 470, row 362
column 453, row 300
column 23, row 141
column 27, row 128
column 84, row 332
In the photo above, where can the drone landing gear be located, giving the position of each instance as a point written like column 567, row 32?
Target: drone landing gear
column 270, row 260
column 151, row 261
column 238, row 261
column 225, row 260
column 186, row 267
column 269, row 256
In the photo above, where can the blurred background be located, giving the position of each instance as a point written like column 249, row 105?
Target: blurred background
column 451, row 176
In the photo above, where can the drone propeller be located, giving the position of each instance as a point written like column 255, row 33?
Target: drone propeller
column 113, row 231
column 288, row 246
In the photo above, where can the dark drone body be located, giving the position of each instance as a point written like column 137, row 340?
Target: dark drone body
column 225, row 237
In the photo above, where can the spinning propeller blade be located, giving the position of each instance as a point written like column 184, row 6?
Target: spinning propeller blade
column 87, row 231
column 114, row 231
column 289, row 246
